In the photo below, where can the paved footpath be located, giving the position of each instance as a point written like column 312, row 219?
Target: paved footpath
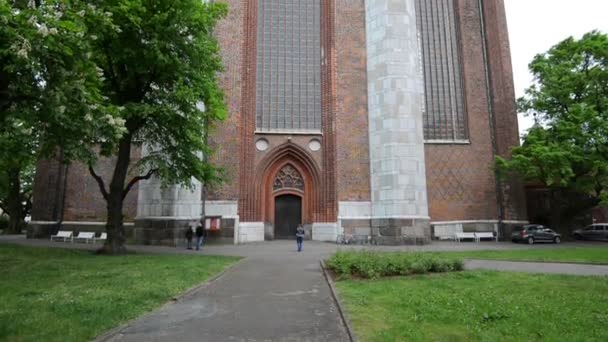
column 277, row 294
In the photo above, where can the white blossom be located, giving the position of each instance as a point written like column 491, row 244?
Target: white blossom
column 81, row 13
column 61, row 109
column 88, row 117
column 43, row 30
column 120, row 122
column 53, row 31
column 22, row 53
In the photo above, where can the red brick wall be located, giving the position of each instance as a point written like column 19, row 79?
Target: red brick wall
column 84, row 201
column 460, row 182
column 48, row 184
column 225, row 138
column 352, row 152
column 503, row 102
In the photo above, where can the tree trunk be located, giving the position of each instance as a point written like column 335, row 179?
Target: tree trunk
column 14, row 206
column 115, row 244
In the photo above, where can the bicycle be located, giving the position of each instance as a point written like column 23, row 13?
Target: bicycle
column 344, row 239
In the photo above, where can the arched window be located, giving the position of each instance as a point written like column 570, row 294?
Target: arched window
column 444, row 115
column 288, row 65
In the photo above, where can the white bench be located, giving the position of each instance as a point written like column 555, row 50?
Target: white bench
column 461, row 236
column 103, row 237
column 86, row 236
column 65, row 235
column 486, row 235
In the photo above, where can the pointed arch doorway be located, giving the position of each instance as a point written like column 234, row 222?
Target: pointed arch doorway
column 288, row 190
column 287, row 216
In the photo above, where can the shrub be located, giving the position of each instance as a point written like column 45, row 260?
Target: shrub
column 372, row 265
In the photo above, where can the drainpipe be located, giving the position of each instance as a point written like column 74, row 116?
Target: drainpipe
column 66, row 169
column 492, row 116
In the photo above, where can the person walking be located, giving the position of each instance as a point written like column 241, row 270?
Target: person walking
column 189, row 235
column 300, row 236
column 201, row 234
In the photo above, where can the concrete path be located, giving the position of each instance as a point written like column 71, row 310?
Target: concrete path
column 537, row 267
column 277, row 294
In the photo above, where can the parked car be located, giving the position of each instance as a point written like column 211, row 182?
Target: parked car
column 596, row 231
column 532, row 233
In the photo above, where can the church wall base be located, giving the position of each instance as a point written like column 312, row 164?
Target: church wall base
column 388, row 231
column 324, row 231
column 251, row 232
column 170, row 231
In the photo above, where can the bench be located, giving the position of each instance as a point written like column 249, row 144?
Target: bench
column 460, row 236
column 486, row 235
column 103, row 237
column 86, row 236
column 65, row 235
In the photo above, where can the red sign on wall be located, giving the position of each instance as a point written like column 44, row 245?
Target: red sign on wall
column 213, row 223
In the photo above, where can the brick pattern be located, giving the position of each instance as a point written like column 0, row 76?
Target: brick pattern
column 247, row 123
column 225, row 138
column 84, row 201
column 352, row 136
column 329, row 203
column 48, row 190
column 461, row 184
column 503, row 95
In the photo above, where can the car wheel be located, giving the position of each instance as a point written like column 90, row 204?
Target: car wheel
column 530, row 241
column 514, row 241
column 578, row 236
column 557, row 240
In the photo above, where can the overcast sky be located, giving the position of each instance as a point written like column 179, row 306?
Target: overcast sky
column 537, row 25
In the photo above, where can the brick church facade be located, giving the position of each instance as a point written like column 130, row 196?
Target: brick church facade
column 370, row 117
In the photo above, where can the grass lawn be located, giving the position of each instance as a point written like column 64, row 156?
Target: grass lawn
column 478, row 306
column 582, row 255
column 52, row 294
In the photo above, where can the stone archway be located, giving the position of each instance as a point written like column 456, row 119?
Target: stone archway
column 288, row 170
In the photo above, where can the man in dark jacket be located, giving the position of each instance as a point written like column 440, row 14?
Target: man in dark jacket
column 201, row 234
column 189, row 235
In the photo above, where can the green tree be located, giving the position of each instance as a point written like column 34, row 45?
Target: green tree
column 567, row 149
column 49, row 92
column 160, row 60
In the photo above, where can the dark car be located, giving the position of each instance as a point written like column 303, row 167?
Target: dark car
column 532, row 233
column 596, row 231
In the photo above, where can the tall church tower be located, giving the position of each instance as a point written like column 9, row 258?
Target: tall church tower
column 377, row 118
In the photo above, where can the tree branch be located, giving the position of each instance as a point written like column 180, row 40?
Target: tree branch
column 137, row 179
column 99, row 180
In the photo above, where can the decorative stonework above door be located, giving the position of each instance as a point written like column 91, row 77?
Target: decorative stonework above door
column 288, row 178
